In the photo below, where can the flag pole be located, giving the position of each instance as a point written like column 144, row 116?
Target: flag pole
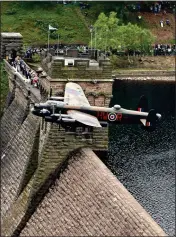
column 48, row 39
column 95, row 40
column 57, row 44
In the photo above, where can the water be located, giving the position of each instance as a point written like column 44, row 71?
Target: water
column 145, row 162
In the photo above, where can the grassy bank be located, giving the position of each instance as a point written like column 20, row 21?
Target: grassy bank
column 32, row 22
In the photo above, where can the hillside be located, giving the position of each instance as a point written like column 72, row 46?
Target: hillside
column 31, row 19
column 165, row 34
column 32, row 22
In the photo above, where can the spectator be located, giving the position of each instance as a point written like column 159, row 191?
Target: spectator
column 155, row 9
column 167, row 22
column 159, row 8
column 164, row 12
column 161, row 23
column 139, row 17
column 35, row 81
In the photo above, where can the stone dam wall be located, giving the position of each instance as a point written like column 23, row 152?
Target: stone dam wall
column 34, row 156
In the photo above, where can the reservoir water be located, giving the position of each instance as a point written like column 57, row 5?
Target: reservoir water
column 145, row 162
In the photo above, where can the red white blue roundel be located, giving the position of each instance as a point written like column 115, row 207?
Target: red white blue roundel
column 112, row 117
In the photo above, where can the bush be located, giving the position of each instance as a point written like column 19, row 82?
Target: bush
column 36, row 58
column 122, row 62
column 12, row 11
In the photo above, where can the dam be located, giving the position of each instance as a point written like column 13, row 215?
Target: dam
column 48, row 175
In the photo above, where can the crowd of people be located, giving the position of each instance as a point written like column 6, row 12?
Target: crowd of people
column 167, row 23
column 20, row 66
column 164, row 49
column 154, row 7
column 32, row 51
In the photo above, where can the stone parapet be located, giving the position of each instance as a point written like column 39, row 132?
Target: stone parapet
column 11, row 41
column 18, row 154
column 82, row 69
column 11, row 121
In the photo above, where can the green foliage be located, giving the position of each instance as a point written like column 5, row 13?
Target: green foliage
column 110, row 34
column 36, row 58
column 35, row 18
column 122, row 62
column 31, row 19
column 12, row 11
column 4, row 85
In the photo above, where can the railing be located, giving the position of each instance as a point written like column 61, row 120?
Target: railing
column 20, row 81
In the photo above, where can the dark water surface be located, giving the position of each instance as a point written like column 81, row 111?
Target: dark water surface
column 145, row 162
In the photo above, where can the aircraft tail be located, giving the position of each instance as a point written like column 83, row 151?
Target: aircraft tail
column 143, row 104
column 150, row 122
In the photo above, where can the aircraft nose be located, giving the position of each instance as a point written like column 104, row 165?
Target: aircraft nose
column 36, row 106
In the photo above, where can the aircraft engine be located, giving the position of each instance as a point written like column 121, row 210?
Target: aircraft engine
column 56, row 98
column 68, row 120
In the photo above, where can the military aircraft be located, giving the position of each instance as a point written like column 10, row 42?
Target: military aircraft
column 74, row 110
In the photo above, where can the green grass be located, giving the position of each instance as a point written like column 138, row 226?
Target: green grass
column 33, row 23
column 4, row 85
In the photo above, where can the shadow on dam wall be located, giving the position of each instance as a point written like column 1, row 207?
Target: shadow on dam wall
column 145, row 161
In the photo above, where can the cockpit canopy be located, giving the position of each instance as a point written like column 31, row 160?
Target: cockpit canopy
column 117, row 107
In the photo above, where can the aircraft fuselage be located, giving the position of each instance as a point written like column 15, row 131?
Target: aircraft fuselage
column 109, row 115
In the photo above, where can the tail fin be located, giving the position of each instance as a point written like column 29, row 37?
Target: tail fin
column 151, row 118
column 150, row 122
column 143, row 104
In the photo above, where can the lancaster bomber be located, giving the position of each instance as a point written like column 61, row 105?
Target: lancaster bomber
column 73, row 110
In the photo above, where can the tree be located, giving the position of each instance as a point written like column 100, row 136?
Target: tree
column 109, row 34
column 135, row 38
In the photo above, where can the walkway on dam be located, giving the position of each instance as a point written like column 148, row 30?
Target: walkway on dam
column 27, row 82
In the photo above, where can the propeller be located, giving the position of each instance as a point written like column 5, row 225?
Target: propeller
column 53, row 109
column 31, row 105
column 51, row 91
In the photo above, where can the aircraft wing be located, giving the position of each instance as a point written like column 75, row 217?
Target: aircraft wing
column 74, row 95
column 84, row 118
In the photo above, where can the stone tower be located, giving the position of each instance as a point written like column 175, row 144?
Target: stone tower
column 11, row 43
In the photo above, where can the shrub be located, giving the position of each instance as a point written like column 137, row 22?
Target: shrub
column 36, row 58
column 12, row 11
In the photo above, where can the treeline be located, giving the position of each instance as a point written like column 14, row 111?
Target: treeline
column 109, row 34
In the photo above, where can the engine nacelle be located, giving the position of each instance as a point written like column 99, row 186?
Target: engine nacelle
column 68, row 120
column 56, row 98
column 54, row 119
column 60, row 115
column 40, row 113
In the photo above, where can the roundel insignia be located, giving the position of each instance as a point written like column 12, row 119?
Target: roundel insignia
column 112, row 117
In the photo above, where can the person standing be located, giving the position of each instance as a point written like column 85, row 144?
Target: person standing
column 161, row 23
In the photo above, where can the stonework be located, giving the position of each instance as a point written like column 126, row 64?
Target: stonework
column 16, row 158
column 94, row 77
column 87, row 200
column 11, row 41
